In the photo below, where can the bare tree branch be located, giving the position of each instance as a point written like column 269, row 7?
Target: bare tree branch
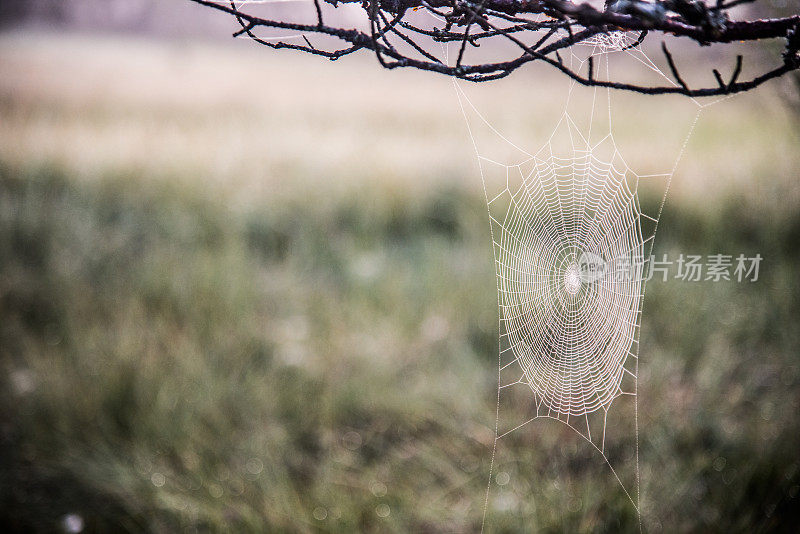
column 555, row 25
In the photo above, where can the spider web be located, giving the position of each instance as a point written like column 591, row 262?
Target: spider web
column 571, row 244
column 607, row 43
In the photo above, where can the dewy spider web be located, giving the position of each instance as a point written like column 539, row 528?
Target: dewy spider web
column 571, row 247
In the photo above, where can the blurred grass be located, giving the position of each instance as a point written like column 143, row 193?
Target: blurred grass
column 271, row 338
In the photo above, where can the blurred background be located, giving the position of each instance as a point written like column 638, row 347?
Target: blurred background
column 245, row 290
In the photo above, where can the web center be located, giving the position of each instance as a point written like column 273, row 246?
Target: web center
column 572, row 279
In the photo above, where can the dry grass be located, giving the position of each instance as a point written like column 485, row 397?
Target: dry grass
column 250, row 124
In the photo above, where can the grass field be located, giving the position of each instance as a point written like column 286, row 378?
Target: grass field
column 243, row 291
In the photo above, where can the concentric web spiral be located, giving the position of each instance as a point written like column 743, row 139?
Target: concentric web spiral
column 569, row 327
